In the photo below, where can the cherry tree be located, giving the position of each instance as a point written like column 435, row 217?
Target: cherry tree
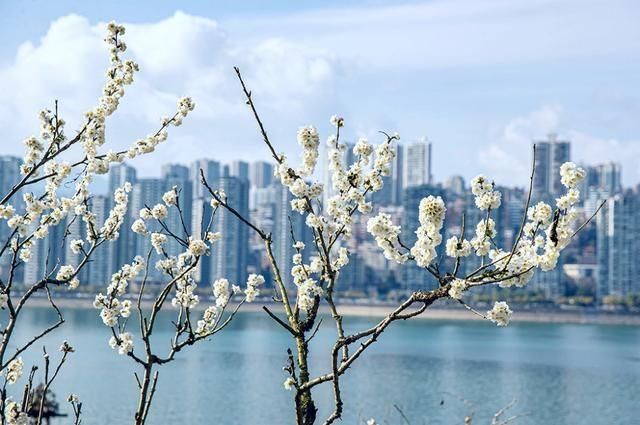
column 57, row 161
column 179, row 284
column 545, row 230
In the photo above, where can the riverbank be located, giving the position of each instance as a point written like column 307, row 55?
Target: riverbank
column 438, row 312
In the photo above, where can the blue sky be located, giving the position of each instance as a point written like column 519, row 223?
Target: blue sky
column 480, row 79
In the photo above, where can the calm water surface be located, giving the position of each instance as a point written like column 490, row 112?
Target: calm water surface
column 559, row 373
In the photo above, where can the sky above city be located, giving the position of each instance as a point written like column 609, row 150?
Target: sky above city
column 479, row 79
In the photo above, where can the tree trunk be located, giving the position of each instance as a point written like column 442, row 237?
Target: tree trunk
column 141, row 413
column 305, row 407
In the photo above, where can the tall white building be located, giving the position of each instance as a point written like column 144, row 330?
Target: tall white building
column 201, row 208
column 260, row 174
column 46, row 255
column 417, row 164
column 9, row 176
column 120, row 251
column 550, row 155
column 179, row 176
column 602, row 178
column 284, row 222
column 239, row 169
column 147, row 193
column 99, row 269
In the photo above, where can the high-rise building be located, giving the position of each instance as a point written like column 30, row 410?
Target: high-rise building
column 261, row 174
column 202, row 210
column 98, row 271
column 211, row 170
column 397, row 175
column 286, row 221
column 119, row 174
column 618, row 245
column 229, row 254
column 455, row 185
column 605, row 177
column 9, row 176
column 178, row 176
column 77, row 229
column 550, row 155
column 120, row 251
column 417, row 164
column 147, row 192
column 261, row 213
column 610, row 177
column 46, row 255
column 176, row 172
column 240, row 170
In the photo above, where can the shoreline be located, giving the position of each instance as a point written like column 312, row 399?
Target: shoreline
column 381, row 310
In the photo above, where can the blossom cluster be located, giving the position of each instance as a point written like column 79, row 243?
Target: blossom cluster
column 545, row 233
column 485, row 232
column 49, row 210
column 123, row 342
column 457, row 288
column 500, row 313
column 386, row 236
column 431, row 214
column 254, row 282
column 309, row 139
column 548, row 231
column 485, row 196
column 111, row 227
column 353, row 182
column 458, row 247
column 223, row 291
column 14, row 414
column 289, row 384
column 179, row 268
column 571, row 175
column 110, row 305
column 332, row 220
column 304, row 279
column 13, row 371
column 119, row 75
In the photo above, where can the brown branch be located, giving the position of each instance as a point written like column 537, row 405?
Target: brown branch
column 265, row 137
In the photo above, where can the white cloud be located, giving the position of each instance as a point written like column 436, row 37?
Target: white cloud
column 180, row 55
column 451, row 33
column 592, row 149
column 506, row 162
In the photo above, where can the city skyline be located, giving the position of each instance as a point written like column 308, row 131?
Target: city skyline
column 595, row 265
